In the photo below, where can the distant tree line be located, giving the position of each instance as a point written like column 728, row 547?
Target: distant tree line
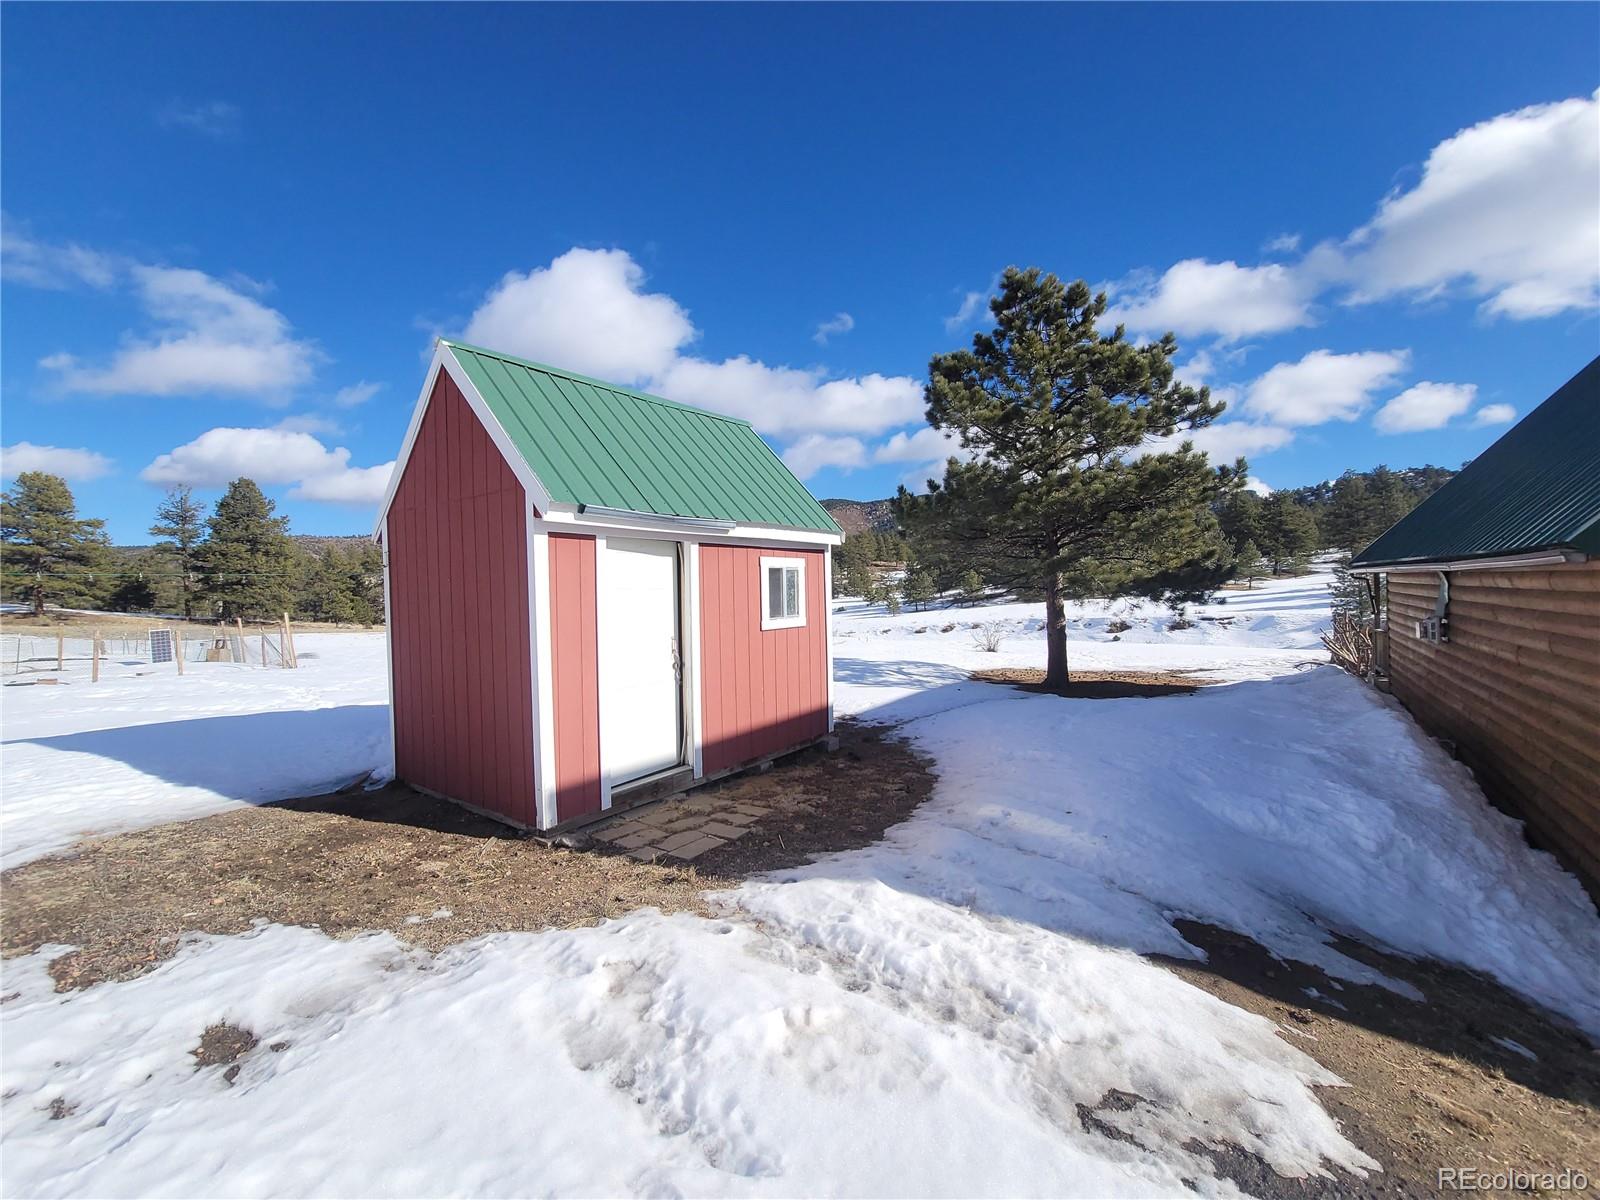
column 1280, row 532
column 238, row 561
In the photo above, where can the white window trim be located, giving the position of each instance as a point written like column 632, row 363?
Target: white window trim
column 773, row 563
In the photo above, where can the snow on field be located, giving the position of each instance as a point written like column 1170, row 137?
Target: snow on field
column 140, row 749
column 933, row 1015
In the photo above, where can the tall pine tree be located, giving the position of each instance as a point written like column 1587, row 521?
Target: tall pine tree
column 47, row 552
column 1058, row 497
column 247, row 560
column 180, row 528
column 1288, row 532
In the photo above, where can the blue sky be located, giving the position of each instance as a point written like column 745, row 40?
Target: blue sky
column 231, row 232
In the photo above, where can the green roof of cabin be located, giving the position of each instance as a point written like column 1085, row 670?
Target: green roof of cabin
column 593, row 443
column 1537, row 488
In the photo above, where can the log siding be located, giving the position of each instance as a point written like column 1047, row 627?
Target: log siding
column 1516, row 688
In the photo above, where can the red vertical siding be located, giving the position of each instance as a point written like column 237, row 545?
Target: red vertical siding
column 575, row 668
column 458, row 616
column 761, row 691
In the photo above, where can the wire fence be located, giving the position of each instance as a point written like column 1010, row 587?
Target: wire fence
column 39, row 655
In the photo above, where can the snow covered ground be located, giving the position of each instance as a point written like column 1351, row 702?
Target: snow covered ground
column 147, row 745
column 923, row 1017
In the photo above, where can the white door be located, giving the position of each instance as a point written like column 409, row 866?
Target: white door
column 641, row 712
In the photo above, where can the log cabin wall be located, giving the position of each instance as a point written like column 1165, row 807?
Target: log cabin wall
column 1516, row 688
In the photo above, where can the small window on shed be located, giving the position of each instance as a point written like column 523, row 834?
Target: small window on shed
column 783, row 593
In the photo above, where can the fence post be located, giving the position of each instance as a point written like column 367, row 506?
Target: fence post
column 94, row 658
column 61, row 651
column 288, row 638
column 177, row 646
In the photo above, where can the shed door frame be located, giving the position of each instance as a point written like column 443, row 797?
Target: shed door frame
column 688, row 751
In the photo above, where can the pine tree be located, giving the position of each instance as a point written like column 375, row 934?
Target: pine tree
column 1057, row 497
column 341, row 586
column 1248, row 563
column 49, row 552
column 971, row 585
column 919, row 589
column 180, row 530
column 247, row 561
column 891, row 603
column 1288, row 531
column 1239, row 515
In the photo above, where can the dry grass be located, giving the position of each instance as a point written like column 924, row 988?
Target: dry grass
column 424, row 869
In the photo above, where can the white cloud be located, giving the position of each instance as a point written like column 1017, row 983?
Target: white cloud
column 1199, row 297
column 356, row 393
column 213, row 118
column 25, row 259
column 272, row 456
column 585, row 312
column 779, row 400
column 1284, row 243
column 1323, row 386
column 211, row 337
column 76, row 465
column 837, row 324
column 1225, row 441
column 817, row 450
column 971, row 305
column 362, row 486
column 1425, row 406
column 925, row 445
column 1509, row 209
column 1198, row 369
column 1494, row 414
column 1252, row 484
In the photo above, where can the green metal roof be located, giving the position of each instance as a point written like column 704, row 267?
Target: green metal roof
column 593, row 443
column 1537, row 488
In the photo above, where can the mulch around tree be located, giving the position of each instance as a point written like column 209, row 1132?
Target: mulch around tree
column 426, row 870
column 1098, row 685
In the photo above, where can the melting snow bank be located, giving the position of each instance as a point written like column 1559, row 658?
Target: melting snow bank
column 1281, row 809
column 878, row 1043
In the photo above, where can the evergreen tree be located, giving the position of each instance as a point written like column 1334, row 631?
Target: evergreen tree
column 341, row 586
column 1057, row 496
column 919, row 589
column 1248, row 563
column 892, row 603
column 180, row 530
column 47, row 552
column 1288, row 531
column 135, row 593
column 247, row 561
column 1239, row 515
column 971, row 585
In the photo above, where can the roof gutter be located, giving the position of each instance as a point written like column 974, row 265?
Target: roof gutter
column 1500, row 562
column 634, row 517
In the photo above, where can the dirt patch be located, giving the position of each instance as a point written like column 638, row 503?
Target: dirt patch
column 424, row 869
column 221, row 1044
column 1430, row 1087
column 1098, row 685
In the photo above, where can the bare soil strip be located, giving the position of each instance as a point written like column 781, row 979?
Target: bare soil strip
column 1098, row 685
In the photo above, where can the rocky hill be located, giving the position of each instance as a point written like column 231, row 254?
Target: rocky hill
column 861, row 516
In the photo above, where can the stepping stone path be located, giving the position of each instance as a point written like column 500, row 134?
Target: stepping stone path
column 682, row 829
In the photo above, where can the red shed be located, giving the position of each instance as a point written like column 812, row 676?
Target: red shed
column 595, row 596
